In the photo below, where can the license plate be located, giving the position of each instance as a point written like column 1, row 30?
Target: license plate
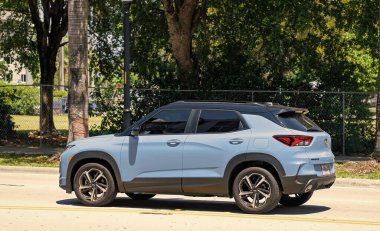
column 325, row 169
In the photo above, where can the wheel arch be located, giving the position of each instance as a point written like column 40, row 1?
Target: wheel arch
column 93, row 157
column 242, row 161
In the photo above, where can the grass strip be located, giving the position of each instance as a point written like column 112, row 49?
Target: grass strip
column 31, row 160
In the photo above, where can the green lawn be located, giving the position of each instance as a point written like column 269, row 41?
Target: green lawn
column 341, row 172
column 32, row 123
column 12, row 159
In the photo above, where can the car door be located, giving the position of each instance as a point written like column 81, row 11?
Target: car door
column 154, row 161
column 219, row 135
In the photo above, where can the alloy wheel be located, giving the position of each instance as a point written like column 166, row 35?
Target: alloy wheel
column 93, row 184
column 254, row 190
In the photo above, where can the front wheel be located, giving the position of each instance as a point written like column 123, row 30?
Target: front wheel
column 138, row 196
column 255, row 190
column 293, row 200
column 94, row 185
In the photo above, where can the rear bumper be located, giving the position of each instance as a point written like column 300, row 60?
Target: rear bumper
column 306, row 183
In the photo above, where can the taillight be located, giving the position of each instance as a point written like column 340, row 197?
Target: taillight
column 292, row 140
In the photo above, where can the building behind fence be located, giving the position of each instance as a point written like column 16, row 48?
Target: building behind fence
column 349, row 117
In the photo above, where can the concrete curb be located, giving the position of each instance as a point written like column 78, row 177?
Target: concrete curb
column 22, row 169
column 340, row 182
column 360, row 183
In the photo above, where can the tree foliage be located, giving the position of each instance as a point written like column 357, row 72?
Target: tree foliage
column 17, row 36
column 31, row 32
column 247, row 45
column 303, row 45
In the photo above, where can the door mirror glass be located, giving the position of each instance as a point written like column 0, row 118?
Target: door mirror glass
column 135, row 131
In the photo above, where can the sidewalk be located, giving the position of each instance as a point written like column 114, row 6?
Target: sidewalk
column 31, row 150
column 342, row 159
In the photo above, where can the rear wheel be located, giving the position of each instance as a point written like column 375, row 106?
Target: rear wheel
column 255, row 190
column 138, row 196
column 94, row 185
column 293, row 200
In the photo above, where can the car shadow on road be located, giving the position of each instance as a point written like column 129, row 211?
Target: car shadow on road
column 199, row 205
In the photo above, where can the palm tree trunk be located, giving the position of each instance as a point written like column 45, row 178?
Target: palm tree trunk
column 78, row 64
column 376, row 152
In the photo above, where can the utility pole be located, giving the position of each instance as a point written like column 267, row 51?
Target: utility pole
column 127, row 60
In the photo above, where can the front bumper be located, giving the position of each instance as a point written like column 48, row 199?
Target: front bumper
column 306, row 183
column 62, row 183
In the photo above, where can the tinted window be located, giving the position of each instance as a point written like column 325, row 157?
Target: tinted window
column 212, row 121
column 299, row 122
column 166, row 122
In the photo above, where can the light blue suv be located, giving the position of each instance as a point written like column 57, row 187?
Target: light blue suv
column 261, row 154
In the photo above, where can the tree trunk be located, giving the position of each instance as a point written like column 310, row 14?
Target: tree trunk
column 47, row 81
column 376, row 152
column 78, row 63
column 61, row 81
column 50, row 22
column 182, row 18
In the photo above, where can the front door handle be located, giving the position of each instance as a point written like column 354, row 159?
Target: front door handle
column 236, row 141
column 173, row 143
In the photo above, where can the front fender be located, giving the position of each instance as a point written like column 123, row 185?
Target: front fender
column 89, row 157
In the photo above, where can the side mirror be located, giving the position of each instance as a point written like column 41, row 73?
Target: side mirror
column 135, row 131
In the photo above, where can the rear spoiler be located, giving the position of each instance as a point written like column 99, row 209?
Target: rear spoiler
column 292, row 110
column 279, row 109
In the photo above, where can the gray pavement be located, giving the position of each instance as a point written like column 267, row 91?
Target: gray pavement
column 35, row 202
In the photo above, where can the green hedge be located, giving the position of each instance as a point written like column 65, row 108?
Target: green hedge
column 6, row 121
column 24, row 100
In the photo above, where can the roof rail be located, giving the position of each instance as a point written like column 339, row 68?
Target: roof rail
column 212, row 101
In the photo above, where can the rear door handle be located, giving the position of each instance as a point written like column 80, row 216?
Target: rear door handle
column 173, row 143
column 236, row 141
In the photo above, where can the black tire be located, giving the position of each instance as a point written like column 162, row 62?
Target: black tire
column 295, row 199
column 140, row 197
column 269, row 187
column 106, row 181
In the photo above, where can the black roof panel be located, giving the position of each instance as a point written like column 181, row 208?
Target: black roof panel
column 243, row 107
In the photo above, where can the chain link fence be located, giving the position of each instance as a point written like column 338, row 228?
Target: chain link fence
column 349, row 117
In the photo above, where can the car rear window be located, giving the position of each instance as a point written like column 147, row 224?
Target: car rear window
column 298, row 121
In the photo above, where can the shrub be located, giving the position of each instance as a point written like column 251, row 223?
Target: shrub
column 59, row 94
column 23, row 100
column 7, row 124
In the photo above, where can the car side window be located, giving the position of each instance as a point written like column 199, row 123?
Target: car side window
column 166, row 122
column 219, row 121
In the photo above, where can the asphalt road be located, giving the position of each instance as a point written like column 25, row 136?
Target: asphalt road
column 30, row 201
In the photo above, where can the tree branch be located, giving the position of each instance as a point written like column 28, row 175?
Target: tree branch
column 186, row 14
column 199, row 15
column 63, row 44
column 17, row 11
column 34, row 12
column 106, row 43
